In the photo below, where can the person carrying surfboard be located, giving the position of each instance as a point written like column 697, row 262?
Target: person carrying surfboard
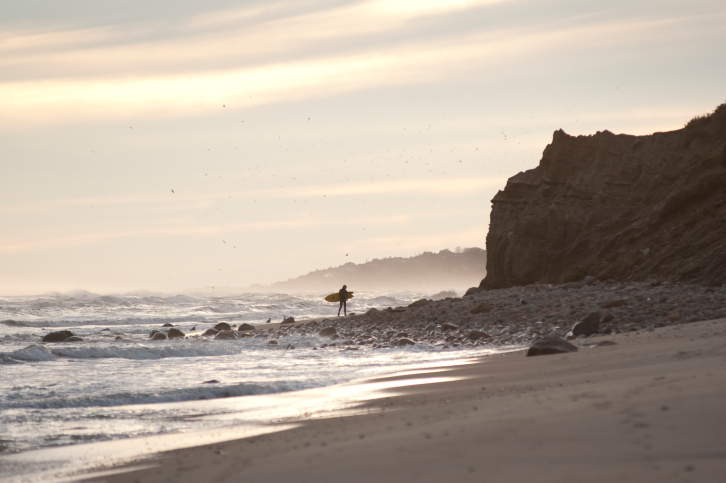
column 343, row 293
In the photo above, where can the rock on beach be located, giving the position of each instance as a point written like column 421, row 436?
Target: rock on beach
column 550, row 345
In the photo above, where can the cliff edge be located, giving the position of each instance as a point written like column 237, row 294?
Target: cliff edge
column 616, row 207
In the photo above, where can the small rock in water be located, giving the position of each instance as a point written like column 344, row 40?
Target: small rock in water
column 550, row 345
column 175, row 334
column 193, row 328
column 222, row 326
column 159, row 336
column 58, row 336
column 210, row 333
column 168, row 325
column 227, row 335
column 244, row 327
column 212, row 381
column 272, row 342
column 289, row 347
column 151, row 334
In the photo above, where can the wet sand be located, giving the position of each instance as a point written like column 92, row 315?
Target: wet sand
column 650, row 408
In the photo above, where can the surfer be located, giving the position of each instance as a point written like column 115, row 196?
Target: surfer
column 343, row 293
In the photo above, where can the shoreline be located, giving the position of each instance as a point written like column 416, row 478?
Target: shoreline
column 247, row 416
column 649, row 408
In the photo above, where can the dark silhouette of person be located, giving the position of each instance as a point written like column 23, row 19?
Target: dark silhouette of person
column 343, row 300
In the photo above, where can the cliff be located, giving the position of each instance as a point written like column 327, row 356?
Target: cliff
column 427, row 271
column 616, row 207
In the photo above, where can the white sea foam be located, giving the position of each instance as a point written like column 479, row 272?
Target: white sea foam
column 33, row 353
column 136, row 351
column 42, row 400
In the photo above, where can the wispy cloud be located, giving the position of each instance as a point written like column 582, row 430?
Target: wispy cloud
column 164, row 79
column 421, row 186
column 191, row 228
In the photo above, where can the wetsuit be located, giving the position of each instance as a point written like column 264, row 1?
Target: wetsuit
column 343, row 301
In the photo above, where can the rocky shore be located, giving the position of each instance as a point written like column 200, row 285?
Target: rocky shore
column 515, row 316
column 518, row 315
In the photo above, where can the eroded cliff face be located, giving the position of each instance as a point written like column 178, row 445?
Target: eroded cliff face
column 616, row 207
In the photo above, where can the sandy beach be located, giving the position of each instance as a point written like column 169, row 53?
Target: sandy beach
column 648, row 408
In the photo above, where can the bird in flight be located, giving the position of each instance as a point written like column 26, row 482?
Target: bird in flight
column 172, row 191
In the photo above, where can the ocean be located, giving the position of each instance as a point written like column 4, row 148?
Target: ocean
column 117, row 384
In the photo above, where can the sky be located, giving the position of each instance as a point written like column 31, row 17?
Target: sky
column 176, row 145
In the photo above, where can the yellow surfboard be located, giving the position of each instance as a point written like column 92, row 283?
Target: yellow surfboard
column 335, row 297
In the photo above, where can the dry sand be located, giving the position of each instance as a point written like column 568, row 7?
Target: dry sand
column 650, row 408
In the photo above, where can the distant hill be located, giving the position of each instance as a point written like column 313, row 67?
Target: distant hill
column 456, row 270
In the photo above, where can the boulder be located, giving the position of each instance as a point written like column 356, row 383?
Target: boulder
column 590, row 325
column 288, row 320
column 482, row 308
column 222, row 326
column 478, row 334
column 244, row 327
column 59, row 336
column 404, row 341
column 473, row 291
column 159, row 336
column 175, row 334
column 210, row 333
column 227, row 335
column 444, row 294
column 419, row 303
column 328, row 332
column 550, row 345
